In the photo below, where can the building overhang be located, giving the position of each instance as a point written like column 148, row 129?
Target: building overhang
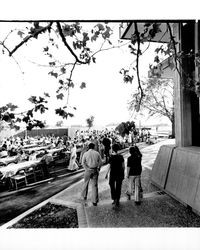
column 128, row 28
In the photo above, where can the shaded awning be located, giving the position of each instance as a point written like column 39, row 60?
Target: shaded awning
column 127, row 29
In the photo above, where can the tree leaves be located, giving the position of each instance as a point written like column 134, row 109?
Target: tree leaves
column 35, row 123
column 52, row 64
column 46, row 49
column 100, row 26
column 30, row 113
column 46, row 94
column 52, row 73
column 33, row 99
column 133, row 50
column 94, row 59
column 125, row 127
column 83, row 85
column 68, row 30
column 63, row 70
column 61, row 112
column 100, row 29
column 70, row 84
column 11, row 106
column 41, row 108
column 127, row 78
column 59, row 123
column 156, row 59
column 107, row 33
column 60, row 96
column 20, row 33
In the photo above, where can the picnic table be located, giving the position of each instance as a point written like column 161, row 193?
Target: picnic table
column 12, row 169
column 54, row 150
column 30, row 146
column 8, row 160
column 28, row 150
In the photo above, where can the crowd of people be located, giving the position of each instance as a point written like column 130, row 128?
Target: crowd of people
column 89, row 149
column 76, row 146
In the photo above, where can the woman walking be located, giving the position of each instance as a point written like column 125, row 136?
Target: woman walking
column 134, row 170
column 116, row 169
column 72, row 162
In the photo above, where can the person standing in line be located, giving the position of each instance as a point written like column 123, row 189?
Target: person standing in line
column 84, row 149
column 96, row 144
column 134, row 170
column 116, row 168
column 101, row 148
column 106, row 143
column 91, row 162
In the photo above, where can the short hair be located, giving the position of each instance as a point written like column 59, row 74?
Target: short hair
column 132, row 150
column 115, row 147
column 91, row 146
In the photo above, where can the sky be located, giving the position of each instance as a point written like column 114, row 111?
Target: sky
column 105, row 97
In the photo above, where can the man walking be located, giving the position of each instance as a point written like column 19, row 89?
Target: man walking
column 92, row 163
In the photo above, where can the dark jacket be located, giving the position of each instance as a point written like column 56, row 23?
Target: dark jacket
column 116, row 167
column 134, row 163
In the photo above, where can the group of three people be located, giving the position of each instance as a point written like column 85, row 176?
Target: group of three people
column 92, row 162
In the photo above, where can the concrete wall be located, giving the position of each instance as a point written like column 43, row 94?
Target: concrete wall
column 184, row 176
column 161, row 165
column 177, row 171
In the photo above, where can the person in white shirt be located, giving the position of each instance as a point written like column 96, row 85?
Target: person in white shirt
column 91, row 162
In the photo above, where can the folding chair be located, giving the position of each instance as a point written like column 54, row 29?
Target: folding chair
column 38, row 171
column 19, row 179
column 30, row 175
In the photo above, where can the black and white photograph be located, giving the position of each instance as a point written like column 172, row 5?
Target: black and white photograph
column 99, row 129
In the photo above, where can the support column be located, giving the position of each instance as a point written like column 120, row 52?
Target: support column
column 182, row 102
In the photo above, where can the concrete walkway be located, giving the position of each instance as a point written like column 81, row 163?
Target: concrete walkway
column 156, row 210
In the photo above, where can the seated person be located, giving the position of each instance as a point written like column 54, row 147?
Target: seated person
column 32, row 156
column 47, row 158
column 22, row 156
column 47, row 163
column 3, row 153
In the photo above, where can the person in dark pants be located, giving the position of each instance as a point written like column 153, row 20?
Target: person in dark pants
column 116, row 169
column 134, row 170
column 91, row 162
column 106, row 142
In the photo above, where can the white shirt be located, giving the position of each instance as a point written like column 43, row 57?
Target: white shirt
column 91, row 159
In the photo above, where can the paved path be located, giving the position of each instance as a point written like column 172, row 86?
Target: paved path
column 156, row 210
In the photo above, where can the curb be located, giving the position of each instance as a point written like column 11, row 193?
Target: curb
column 39, row 182
column 80, row 213
column 80, row 208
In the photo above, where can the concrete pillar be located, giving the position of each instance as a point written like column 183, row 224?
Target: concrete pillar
column 183, row 119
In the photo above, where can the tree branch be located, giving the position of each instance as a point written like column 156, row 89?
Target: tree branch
column 137, row 62
column 5, row 47
column 113, row 47
column 67, row 45
column 26, row 39
column 174, row 47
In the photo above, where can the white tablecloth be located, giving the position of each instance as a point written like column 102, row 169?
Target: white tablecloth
column 7, row 160
column 54, row 150
column 30, row 146
column 36, row 148
column 13, row 168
